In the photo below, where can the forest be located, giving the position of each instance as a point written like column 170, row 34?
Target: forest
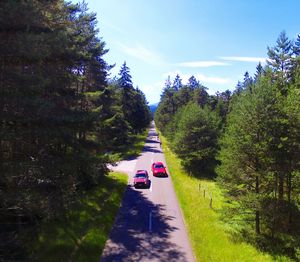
column 64, row 118
column 248, row 141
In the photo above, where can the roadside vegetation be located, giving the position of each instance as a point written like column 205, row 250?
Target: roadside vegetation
column 134, row 149
column 211, row 238
column 248, row 142
column 79, row 234
column 63, row 120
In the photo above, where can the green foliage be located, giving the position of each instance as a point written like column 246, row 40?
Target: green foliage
column 209, row 235
column 133, row 102
column 195, row 139
column 259, row 154
column 259, row 148
column 80, row 233
column 60, row 121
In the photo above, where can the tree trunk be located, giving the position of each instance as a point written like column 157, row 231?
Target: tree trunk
column 289, row 191
column 275, row 205
column 280, row 186
column 257, row 222
column 257, row 215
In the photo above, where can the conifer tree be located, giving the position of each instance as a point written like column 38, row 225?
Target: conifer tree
column 259, row 72
column 193, row 83
column 195, row 141
column 177, row 84
column 280, row 59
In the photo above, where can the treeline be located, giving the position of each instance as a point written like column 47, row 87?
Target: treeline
column 61, row 116
column 192, row 120
column 250, row 140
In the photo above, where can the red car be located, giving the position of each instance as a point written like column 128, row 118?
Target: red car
column 158, row 169
column 141, row 179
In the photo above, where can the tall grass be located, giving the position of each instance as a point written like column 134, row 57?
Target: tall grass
column 208, row 235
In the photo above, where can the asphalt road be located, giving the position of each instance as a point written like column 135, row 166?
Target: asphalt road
column 149, row 226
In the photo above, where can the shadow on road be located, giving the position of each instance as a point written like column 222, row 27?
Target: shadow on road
column 152, row 141
column 151, row 149
column 142, row 232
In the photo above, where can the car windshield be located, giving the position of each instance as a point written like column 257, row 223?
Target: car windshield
column 140, row 175
column 159, row 166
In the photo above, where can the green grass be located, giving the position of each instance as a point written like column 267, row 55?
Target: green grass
column 208, row 235
column 81, row 236
column 135, row 148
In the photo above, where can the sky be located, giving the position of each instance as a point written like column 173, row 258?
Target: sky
column 217, row 41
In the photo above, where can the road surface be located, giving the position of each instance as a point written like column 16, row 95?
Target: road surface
column 149, row 226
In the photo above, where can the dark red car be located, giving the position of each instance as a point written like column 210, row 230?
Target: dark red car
column 158, row 169
column 141, row 179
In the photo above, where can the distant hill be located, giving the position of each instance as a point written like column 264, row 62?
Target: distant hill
column 153, row 108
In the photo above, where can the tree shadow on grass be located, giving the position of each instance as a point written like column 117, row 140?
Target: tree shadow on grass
column 79, row 234
column 142, row 232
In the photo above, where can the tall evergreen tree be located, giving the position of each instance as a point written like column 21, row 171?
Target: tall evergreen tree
column 177, row 83
column 200, row 96
column 248, row 81
column 280, row 58
column 259, row 72
column 257, row 156
column 125, row 77
column 193, row 83
column 195, row 141
column 296, row 48
column 53, row 92
column 133, row 102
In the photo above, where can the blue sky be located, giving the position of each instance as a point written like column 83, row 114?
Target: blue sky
column 217, row 41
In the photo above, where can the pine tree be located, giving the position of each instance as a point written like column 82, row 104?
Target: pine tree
column 125, row 77
column 167, row 106
column 259, row 72
column 296, row 48
column 248, row 81
column 177, row 83
column 200, row 96
column 195, row 141
column 133, row 102
column 280, row 58
column 239, row 88
column 242, row 169
column 53, row 92
column 193, row 83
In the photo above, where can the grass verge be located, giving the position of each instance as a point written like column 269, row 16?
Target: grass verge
column 207, row 233
column 82, row 234
column 134, row 148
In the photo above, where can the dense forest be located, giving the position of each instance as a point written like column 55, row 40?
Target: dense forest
column 247, row 140
column 63, row 117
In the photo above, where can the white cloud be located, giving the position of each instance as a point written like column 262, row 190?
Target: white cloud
column 244, row 59
column 202, row 64
column 153, row 91
column 212, row 79
column 201, row 77
column 142, row 53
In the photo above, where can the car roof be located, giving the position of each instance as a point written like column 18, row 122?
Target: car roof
column 141, row 171
column 158, row 163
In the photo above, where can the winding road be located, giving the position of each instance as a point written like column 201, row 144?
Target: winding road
column 149, row 226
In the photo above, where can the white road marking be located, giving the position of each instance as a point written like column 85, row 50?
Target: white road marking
column 150, row 221
column 151, row 187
